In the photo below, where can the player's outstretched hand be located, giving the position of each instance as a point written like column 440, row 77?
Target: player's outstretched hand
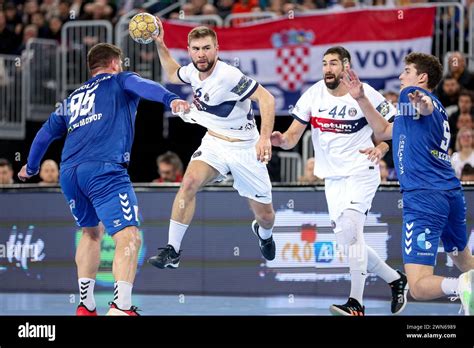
column 23, row 175
column 277, row 139
column 374, row 154
column 352, row 82
column 180, row 107
column 160, row 38
column 421, row 102
column 264, row 150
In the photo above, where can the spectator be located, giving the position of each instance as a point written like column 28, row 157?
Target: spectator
column 31, row 32
column 31, row 6
column 465, row 103
column 309, row 177
column 464, row 121
column 467, row 173
column 392, row 97
column 37, row 19
column 14, row 22
column 55, row 25
column 464, row 150
column 8, row 39
column 63, row 11
column 384, row 174
column 49, row 173
column 448, row 92
column 170, row 168
column 49, row 8
column 224, row 7
column 6, row 172
column 457, row 69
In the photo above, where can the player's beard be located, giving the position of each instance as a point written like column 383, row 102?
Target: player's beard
column 334, row 83
column 209, row 66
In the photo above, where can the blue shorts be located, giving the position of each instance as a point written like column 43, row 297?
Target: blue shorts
column 100, row 191
column 431, row 215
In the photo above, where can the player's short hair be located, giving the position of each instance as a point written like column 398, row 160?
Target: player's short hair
column 426, row 64
column 201, row 32
column 4, row 162
column 101, row 54
column 170, row 157
column 340, row 51
column 467, row 170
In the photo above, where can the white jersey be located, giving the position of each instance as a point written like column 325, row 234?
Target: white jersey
column 221, row 101
column 339, row 129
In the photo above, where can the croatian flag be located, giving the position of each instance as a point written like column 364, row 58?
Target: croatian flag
column 285, row 55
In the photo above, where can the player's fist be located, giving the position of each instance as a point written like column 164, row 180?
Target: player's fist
column 160, row 37
column 277, row 139
column 23, row 175
column 180, row 107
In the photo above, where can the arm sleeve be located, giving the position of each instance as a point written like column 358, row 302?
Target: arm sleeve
column 383, row 106
column 54, row 128
column 184, row 73
column 302, row 110
column 240, row 86
column 147, row 89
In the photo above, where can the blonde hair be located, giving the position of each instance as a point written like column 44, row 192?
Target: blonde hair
column 201, row 32
column 458, row 137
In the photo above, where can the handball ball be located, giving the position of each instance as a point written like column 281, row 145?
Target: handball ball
column 141, row 28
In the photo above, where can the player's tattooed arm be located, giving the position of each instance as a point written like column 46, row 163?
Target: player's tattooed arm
column 421, row 102
column 167, row 61
column 290, row 138
column 266, row 104
column 381, row 127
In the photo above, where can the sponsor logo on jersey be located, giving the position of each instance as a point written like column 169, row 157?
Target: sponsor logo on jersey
column 338, row 126
column 441, row 155
column 197, row 154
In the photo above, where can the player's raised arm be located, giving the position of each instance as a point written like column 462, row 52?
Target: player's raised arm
column 266, row 103
column 167, row 61
column 153, row 91
column 381, row 127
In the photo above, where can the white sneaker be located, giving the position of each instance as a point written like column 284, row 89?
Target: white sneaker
column 465, row 288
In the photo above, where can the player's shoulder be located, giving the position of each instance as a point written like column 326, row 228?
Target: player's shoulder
column 410, row 89
column 315, row 89
column 226, row 70
column 371, row 91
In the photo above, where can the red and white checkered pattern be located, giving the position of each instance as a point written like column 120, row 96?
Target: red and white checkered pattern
column 292, row 66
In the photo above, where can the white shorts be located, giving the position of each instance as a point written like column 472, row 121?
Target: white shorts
column 351, row 192
column 251, row 177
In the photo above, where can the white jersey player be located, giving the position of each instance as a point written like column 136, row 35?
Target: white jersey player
column 222, row 104
column 348, row 161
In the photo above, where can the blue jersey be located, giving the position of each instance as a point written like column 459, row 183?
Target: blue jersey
column 420, row 146
column 98, row 120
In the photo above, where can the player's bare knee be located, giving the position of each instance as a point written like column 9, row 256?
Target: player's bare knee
column 190, row 185
column 266, row 219
column 93, row 233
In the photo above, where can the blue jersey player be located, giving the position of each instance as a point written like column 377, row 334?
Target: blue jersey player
column 433, row 201
column 98, row 120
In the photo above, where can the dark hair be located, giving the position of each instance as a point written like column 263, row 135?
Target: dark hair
column 426, row 64
column 467, row 170
column 101, row 55
column 340, row 51
column 466, row 93
column 171, row 158
column 5, row 162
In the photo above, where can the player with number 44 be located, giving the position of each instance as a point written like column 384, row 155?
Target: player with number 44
column 434, row 207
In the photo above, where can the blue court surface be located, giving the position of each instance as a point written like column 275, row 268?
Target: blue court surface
column 63, row 304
